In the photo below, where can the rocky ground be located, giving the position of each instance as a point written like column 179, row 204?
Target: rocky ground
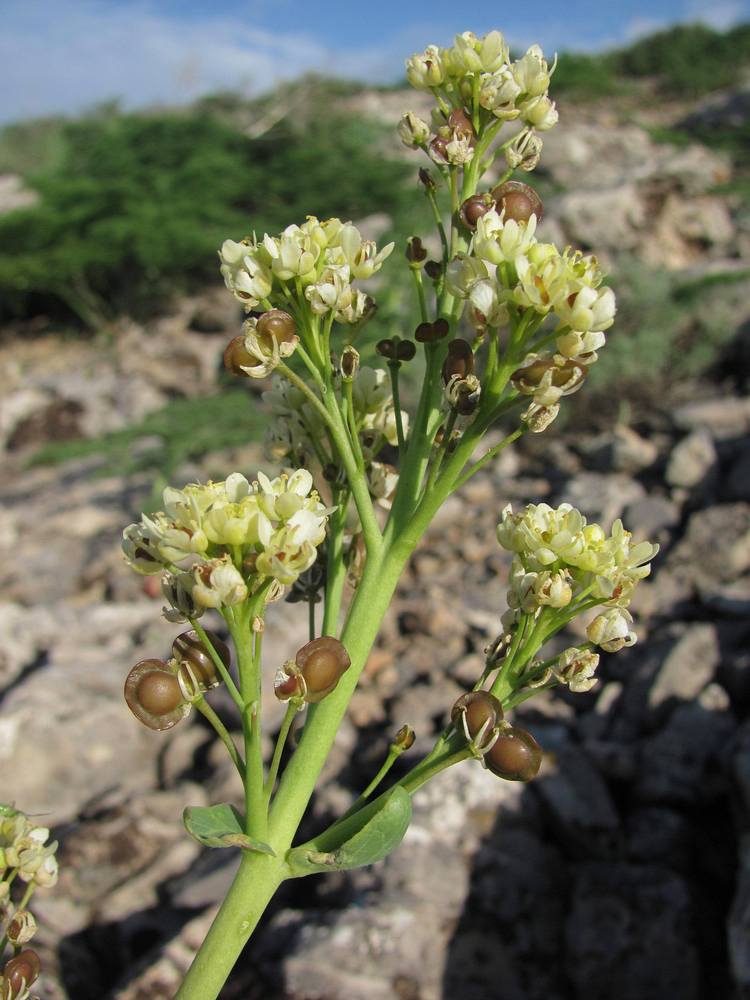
column 622, row 872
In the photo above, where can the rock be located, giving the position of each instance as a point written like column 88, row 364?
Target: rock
column 610, row 219
column 629, row 934
column 685, row 228
column 725, row 417
column 687, row 669
column 738, row 929
column 730, row 600
column 714, row 550
column 737, row 485
column 602, row 498
column 651, row 518
column 686, row 761
column 630, row 451
column 660, row 836
column 579, row 804
column 692, row 461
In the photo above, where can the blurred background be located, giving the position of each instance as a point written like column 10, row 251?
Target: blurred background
column 135, row 138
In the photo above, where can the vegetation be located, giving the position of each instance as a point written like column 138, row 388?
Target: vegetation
column 133, row 207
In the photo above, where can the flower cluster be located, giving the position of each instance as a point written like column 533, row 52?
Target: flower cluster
column 322, row 259
column 296, row 433
column 24, row 849
column 567, row 565
column 479, row 73
column 219, row 541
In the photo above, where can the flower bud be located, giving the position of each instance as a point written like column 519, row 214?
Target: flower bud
column 415, row 252
column 188, row 648
column 322, row 662
column 22, row 928
column 413, row 131
column 515, row 755
column 154, row 695
column 538, row 418
column 428, row 333
column 576, row 668
column 479, row 713
column 236, row 355
column 518, row 201
column 460, row 360
column 474, row 208
column 20, row 973
column 611, row 630
column 404, row 738
column 349, row 363
column 426, row 179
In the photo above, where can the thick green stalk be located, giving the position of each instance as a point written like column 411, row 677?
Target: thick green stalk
column 255, row 883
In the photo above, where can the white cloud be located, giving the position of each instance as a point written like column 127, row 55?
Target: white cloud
column 64, row 59
column 720, row 14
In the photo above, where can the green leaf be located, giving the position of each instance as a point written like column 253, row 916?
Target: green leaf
column 366, row 837
column 220, row 826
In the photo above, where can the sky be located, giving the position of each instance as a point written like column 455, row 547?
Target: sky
column 70, row 55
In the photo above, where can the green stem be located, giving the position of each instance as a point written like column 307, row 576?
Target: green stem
column 419, row 286
column 286, row 725
column 208, row 713
column 218, row 663
column 432, row 198
column 394, row 368
column 335, row 568
column 255, row 883
column 249, row 668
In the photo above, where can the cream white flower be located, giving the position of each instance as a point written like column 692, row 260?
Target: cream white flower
column 413, row 131
column 589, row 309
column 611, row 630
column 553, row 589
column 485, row 297
column 218, row 584
column 294, row 254
column 497, row 240
column 525, row 150
column 332, row 292
column 362, row 256
column 498, row 92
column 531, row 72
column 538, row 418
column 580, row 345
column 462, row 273
column 576, row 668
column 470, row 54
column 267, row 348
column 246, row 271
column 540, row 112
column 425, row 70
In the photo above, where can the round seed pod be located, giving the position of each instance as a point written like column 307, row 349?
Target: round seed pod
column 515, row 755
column 460, row 122
column 235, row 355
column 428, row 333
column 277, row 325
column 474, row 208
column 20, row 972
column 405, row 350
column 439, row 149
column 433, row 269
column 386, row 348
column 475, row 709
column 188, row 648
column 321, row 662
column 153, row 694
column 518, row 200
column 415, row 252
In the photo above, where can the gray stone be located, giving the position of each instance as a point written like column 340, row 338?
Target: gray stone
column 687, row 669
column 579, row 804
column 629, row 934
column 692, row 461
column 602, row 498
column 651, row 517
column 715, row 549
column 725, row 417
column 730, row 600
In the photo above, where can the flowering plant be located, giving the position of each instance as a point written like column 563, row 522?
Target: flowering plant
column 507, row 327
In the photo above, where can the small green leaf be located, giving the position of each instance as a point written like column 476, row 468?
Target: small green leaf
column 363, row 839
column 220, row 826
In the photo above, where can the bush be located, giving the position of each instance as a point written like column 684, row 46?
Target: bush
column 136, row 206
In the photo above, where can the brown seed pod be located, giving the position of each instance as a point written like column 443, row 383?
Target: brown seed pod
column 277, row 325
column 474, row 208
column 515, row 755
column 20, row 972
column 321, row 662
column 415, row 252
column 153, row 694
column 460, row 123
column 386, row 348
column 433, row 269
column 519, row 201
column 426, row 179
column 427, row 333
column 404, row 738
column 405, row 350
column 460, row 360
column 475, row 710
column 188, row 648
column 236, row 354
column 439, row 149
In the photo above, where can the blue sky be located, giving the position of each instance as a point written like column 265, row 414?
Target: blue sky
column 66, row 55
